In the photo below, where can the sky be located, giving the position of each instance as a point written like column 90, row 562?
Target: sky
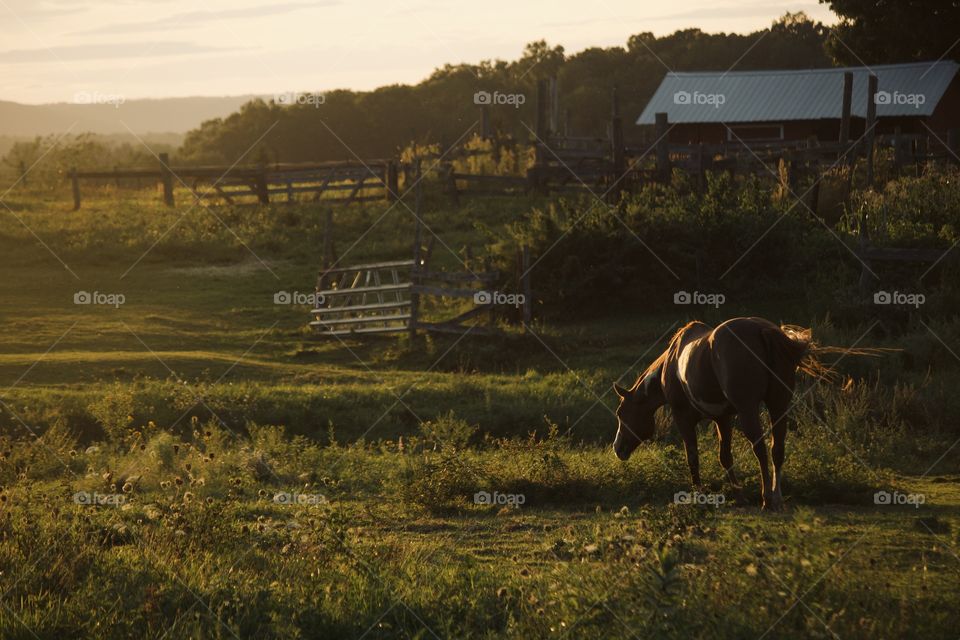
column 57, row 50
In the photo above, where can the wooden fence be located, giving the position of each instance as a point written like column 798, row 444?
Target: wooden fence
column 331, row 182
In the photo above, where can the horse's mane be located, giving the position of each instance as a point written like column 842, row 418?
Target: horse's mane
column 658, row 362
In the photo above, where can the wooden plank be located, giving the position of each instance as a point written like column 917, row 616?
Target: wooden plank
column 360, row 307
column 441, row 291
column 371, row 265
column 458, row 329
column 347, row 332
column 320, row 322
column 902, row 255
column 456, row 277
column 363, row 290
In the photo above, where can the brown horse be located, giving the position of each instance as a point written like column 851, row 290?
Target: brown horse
column 716, row 374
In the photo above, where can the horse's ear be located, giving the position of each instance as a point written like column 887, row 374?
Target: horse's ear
column 620, row 391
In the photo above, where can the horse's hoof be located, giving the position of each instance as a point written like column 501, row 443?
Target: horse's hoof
column 773, row 503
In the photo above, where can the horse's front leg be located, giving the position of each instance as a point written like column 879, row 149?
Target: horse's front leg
column 687, row 425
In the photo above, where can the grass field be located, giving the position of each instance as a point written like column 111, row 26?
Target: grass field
column 194, row 463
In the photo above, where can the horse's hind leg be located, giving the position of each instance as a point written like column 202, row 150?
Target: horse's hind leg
column 752, row 428
column 725, row 436
column 779, row 406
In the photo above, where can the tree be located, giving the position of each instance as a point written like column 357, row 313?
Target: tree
column 880, row 31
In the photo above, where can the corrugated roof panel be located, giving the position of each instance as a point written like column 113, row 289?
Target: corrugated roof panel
column 762, row 96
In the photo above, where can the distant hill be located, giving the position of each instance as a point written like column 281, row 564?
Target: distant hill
column 165, row 115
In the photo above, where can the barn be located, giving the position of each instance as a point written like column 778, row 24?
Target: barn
column 780, row 105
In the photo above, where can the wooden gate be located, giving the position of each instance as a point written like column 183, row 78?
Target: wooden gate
column 364, row 298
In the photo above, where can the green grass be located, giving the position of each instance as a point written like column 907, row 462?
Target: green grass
column 200, row 378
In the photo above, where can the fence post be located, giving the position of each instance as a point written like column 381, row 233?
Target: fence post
column 616, row 140
column 75, row 184
column 525, row 285
column 845, row 113
column 542, row 134
column 871, row 125
column 166, row 177
column 263, row 195
column 485, row 122
column 897, row 150
column 417, row 241
column 663, row 148
column 393, row 181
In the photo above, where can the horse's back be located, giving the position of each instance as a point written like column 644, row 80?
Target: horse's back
column 750, row 356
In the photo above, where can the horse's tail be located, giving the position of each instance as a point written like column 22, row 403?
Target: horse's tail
column 808, row 353
column 796, row 348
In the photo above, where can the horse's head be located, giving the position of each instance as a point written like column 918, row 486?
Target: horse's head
column 635, row 418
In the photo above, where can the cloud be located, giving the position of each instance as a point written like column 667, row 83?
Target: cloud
column 207, row 16
column 123, row 50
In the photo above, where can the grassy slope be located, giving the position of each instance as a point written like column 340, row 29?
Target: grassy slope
column 400, row 548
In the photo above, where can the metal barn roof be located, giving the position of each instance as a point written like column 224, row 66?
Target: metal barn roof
column 912, row 89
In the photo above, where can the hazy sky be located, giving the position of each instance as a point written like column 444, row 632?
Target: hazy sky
column 53, row 50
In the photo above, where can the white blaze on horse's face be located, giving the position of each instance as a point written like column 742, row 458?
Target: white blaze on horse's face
column 634, row 420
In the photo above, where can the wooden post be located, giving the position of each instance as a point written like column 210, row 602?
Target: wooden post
column 870, row 124
column 263, row 194
column 75, row 184
column 897, row 149
column 326, row 260
column 525, row 286
column 845, row 108
column 542, row 135
column 417, row 242
column 663, row 148
column 393, row 181
column 166, row 177
column 701, row 169
column 485, row 122
column 616, row 140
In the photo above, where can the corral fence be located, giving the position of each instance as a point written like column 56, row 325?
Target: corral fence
column 329, row 182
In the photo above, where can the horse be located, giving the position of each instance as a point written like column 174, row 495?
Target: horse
column 716, row 374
